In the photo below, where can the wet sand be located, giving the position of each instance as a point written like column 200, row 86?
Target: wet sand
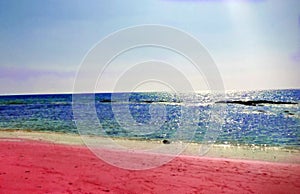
column 39, row 166
column 268, row 154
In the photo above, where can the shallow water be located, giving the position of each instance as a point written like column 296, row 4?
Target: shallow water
column 261, row 124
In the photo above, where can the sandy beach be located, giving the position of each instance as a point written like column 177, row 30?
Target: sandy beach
column 37, row 162
column 268, row 154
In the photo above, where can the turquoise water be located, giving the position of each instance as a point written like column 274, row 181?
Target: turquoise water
column 261, row 123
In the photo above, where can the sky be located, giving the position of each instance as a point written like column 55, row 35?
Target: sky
column 254, row 43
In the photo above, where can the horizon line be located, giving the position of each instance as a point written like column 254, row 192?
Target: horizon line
column 110, row 92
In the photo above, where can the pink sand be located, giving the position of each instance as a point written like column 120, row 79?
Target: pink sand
column 38, row 167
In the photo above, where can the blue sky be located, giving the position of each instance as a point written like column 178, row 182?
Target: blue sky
column 255, row 43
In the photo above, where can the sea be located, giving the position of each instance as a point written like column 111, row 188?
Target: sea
column 262, row 118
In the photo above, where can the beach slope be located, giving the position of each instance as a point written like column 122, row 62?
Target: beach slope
column 29, row 166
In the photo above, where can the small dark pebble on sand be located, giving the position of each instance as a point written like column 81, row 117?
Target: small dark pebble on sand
column 165, row 141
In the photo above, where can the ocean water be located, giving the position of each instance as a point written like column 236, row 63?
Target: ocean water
column 270, row 118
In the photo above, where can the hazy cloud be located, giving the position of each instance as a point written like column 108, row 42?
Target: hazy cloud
column 26, row 80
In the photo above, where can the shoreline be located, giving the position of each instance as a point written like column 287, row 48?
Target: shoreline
column 241, row 152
